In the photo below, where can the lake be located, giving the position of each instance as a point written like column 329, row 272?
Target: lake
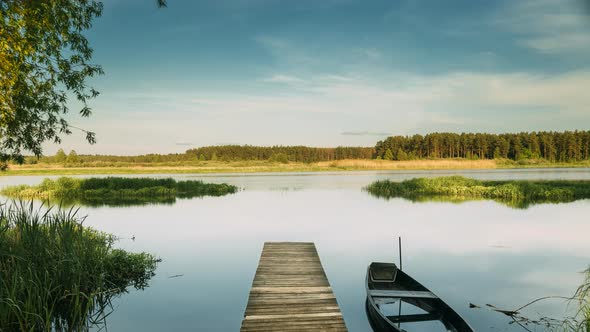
column 479, row 251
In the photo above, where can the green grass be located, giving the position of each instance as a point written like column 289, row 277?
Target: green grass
column 116, row 191
column 519, row 194
column 56, row 274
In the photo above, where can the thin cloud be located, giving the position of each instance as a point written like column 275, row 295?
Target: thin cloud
column 182, row 143
column 285, row 51
column 550, row 26
column 408, row 104
column 283, row 79
column 574, row 42
column 364, row 133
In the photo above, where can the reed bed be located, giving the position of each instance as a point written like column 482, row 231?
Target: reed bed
column 116, row 190
column 520, row 194
column 56, row 274
column 410, row 164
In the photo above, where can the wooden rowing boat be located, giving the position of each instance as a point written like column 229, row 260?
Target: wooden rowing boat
column 388, row 288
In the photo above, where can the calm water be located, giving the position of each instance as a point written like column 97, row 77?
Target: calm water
column 480, row 252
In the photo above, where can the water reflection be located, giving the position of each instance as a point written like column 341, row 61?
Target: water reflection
column 477, row 251
column 120, row 202
column 512, row 203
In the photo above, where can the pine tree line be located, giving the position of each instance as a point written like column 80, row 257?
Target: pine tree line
column 291, row 153
column 552, row 146
column 565, row 146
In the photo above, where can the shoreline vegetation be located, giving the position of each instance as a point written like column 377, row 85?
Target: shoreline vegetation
column 58, row 275
column 517, row 194
column 264, row 166
column 415, row 152
column 115, row 191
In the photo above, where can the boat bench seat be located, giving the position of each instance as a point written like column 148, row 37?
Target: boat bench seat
column 402, row 294
column 415, row 318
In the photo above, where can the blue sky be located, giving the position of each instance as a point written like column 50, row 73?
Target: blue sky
column 332, row 72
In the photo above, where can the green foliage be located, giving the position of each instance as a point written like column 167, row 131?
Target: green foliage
column 388, row 155
column 518, row 194
column 115, row 191
column 294, row 153
column 44, row 58
column 497, row 154
column 56, row 274
column 401, row 155
column 522, row 149
column 73, row 158
column 60, row 156
column 568, row 146
column 279, row 158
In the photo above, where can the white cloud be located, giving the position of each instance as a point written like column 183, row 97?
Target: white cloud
column 547, row 26
column 372, row 54
column 364, row 133
column 556, row 44
column 317, row 109
column 282, row 79
column 285, row 51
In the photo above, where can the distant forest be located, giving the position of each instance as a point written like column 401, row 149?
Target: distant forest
column 552, row 146
column 280, row 153
column 568, row 146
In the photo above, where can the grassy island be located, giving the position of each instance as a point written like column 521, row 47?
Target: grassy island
column 518, row 194
column 57, row 275
column 116, row 191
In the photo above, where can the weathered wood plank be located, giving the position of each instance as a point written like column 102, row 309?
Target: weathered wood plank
column 291, row 292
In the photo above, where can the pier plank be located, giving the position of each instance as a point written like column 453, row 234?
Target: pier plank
column 291, row 292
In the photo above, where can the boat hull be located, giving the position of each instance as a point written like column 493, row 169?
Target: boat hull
column 384, row 282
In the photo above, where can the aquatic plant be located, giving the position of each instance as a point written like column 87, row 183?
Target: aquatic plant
column 519, row 194
column 583, row 297
column 56, row 274
column 578, row 322
column 116, row 190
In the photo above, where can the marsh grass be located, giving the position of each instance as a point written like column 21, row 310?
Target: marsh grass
column 583, row 297
column 518, row 194
column 115, row 191
column 56, row 274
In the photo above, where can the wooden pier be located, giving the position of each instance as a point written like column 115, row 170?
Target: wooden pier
column 290, row 292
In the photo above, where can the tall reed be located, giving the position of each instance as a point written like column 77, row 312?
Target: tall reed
column 583, row 296
column 56, row 274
